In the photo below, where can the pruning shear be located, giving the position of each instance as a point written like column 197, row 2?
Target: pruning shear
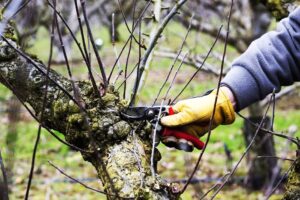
column 169, row 136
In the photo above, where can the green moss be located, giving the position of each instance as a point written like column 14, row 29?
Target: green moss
column 61, row 108
column 293, row 184
column 75, row 119
column 279, row 8
column 109, row 99
column 121, row 129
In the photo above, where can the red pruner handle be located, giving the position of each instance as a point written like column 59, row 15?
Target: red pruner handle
column 182, row 135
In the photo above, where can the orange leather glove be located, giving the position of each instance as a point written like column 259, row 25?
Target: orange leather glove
column 193, row 115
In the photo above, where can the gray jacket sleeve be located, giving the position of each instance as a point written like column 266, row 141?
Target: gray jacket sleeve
column 271, row 61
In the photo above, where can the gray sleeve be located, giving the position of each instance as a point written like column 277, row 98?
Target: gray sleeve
column 271, row 61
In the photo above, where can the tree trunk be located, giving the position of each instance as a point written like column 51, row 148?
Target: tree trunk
column 260, row 170
column 13, row 111
column 119, row 150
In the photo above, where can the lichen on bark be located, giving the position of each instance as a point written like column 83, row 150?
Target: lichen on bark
column 119, row 150
column 293, row 184
column 281, row 8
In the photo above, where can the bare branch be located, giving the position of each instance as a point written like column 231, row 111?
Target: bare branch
column 276, row 171
column 294, row 140
column 85, row 58
column 276, row 157
column 137, row 23
column 215, row 102
column 194, row 62
column 285, row 91
column 105, row 82
column 43, row 108
column 245, row 152
column 79, row 182
column 282, row 178
column 176, row 57
column 153, row 43
column 193, row 76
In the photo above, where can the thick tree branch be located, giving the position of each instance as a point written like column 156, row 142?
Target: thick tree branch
column 120, row 150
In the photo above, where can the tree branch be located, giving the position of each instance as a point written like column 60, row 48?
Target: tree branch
column 121, row 159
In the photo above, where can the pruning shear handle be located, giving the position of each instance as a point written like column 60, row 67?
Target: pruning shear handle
column 172, row 137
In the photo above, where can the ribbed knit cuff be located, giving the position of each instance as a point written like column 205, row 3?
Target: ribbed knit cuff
column 243, row 86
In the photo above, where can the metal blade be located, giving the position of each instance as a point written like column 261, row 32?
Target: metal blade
column 134, row 113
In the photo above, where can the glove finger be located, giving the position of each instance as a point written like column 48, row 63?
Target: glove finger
column 205, row 129
column 179, row 119
column 178, row 106
column 191, row 129
column 195, row 129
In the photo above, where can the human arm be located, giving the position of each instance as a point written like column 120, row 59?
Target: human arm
column 270, row 62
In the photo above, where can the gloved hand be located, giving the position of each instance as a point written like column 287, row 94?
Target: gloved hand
column 193, row 115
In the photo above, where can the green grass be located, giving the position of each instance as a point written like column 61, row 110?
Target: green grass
column 173, row 165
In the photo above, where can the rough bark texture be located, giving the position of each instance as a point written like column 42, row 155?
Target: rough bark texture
column 120, row 149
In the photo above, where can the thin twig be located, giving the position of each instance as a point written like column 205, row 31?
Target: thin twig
column 206, row 57
column 30, row 177
column 154, row 140
column 175, row 75
column 79, row 182
column 174, row 62
column 246, row 151
column 81, row 30
column 193, row 62
column 276, row 157
column 214, row 186
column 130, row 46
column 120, row 71
column 277, row 169
column 74, row 87
column 20, row 8
column 86, row 59
column 105, row 83
column 263, row 130
column 215, row 103
column 122, row 50
column 282, row 178
column 126, row 23
column 153, row 43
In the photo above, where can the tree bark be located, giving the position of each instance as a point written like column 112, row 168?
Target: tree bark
column 119, row 150
column 280, row 8
column 293, row 184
